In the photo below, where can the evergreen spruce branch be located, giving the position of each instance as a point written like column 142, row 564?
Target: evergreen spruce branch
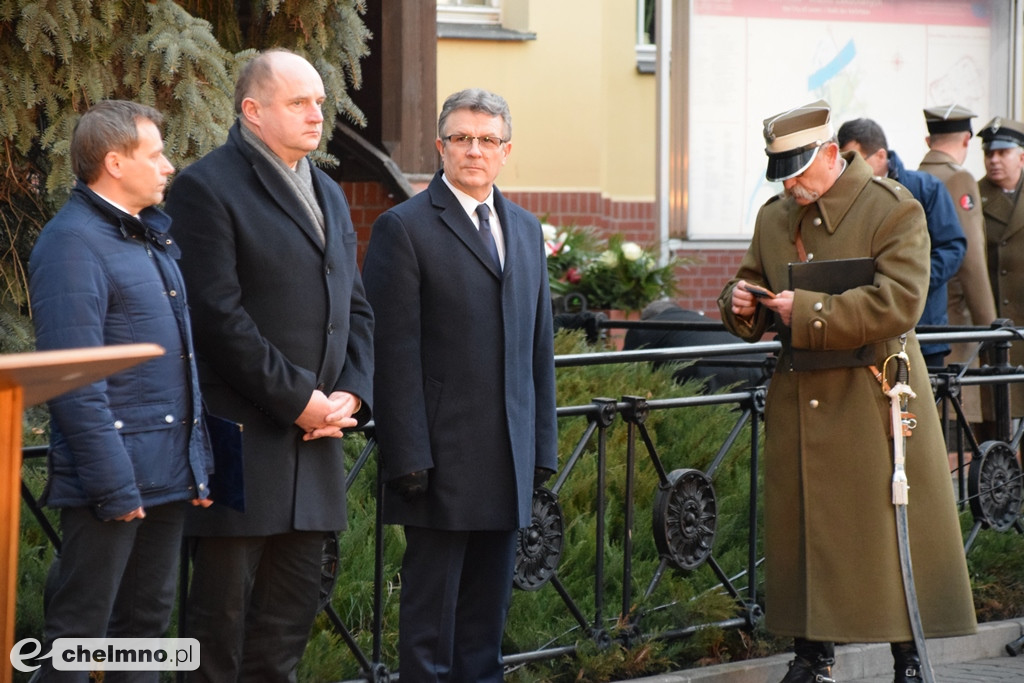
column 57, row 57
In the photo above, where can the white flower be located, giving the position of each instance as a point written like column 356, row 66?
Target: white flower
column 631, row 251
column 609, row 258
column 550, row 232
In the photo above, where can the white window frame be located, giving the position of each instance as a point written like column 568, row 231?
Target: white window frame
column 645, row 48
column 454, row 12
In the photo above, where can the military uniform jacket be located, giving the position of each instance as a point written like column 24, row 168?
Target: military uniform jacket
column 969, row 294
column 832, row 564
column 1004, row 232
column 969, row 291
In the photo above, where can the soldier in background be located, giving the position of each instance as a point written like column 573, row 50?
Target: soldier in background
column 1003, row 143
column 969, row 294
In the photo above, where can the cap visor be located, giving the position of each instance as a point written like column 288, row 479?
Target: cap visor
column 1001, row 144
column 785, row 165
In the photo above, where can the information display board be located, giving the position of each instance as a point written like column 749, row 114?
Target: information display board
column 882, row 59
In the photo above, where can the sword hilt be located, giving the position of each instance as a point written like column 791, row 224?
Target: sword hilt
column 902, row 368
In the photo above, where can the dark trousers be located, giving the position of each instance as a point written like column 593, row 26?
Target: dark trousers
column 112, row 579
column 251, row 603
column 456, row 589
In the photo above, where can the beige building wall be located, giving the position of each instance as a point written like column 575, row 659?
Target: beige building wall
column 583, row 117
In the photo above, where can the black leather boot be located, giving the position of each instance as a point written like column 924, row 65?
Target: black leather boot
column 812, row 663
column 906, row 663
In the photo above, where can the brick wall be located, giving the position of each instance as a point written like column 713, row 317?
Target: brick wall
column 635, row 220
column 366, row 201
column 701, row 275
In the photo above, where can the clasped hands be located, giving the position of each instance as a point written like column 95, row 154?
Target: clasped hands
column 327, row 416
column 744, row 304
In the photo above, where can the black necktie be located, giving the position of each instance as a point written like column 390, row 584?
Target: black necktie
column 485, row 233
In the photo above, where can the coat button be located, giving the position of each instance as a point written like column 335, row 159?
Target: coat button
column 817, row 221
column 118, row 424
column 817, row 324
column 810, row 257
column 173, row 293
column 813, row 403
column 202, row 487
column 168, row 419
column 818, row 306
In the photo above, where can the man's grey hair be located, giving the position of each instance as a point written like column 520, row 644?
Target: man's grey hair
column 480, row 101
column 108, row 126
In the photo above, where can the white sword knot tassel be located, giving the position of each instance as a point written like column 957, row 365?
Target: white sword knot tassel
column 902, row 423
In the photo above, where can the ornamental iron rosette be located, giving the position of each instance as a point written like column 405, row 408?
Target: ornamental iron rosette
column 539, row 546
column 685, row 517
column 994, row 486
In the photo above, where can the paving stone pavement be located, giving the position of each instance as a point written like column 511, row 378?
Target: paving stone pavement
column 980, row 658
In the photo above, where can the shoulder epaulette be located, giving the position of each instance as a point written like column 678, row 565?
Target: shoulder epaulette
column 894, row 187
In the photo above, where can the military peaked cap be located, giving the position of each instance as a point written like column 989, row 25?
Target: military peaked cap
column 794, row 137
column 948, row 118
column 1002, row 133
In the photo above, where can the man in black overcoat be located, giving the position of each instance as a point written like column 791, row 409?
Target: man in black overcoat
column 465, row 396
column 284, row 334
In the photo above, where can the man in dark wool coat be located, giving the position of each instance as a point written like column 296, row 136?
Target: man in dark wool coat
column 284, row 336
column 465, row 413
column 832, row 565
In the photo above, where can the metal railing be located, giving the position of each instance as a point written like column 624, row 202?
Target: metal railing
column 988, row 480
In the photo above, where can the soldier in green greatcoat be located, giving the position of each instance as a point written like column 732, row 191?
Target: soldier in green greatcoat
column 1002, row 140
column 832, row 565
column 969, row 300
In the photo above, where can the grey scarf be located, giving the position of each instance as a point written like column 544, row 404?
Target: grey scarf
column 300, row 180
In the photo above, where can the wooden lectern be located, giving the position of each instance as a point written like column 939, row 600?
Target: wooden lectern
column 27, row 379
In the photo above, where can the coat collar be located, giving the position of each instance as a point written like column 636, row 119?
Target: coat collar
column 934, row 156
column 838, row 199
column 458, row 221
column 151, row 225
column 278, row 189
column 1005, row 209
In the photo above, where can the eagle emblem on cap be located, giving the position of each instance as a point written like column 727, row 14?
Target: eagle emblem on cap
column 997, row 123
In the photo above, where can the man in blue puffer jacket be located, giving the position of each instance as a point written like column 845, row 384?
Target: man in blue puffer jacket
column 948, row 242
column 128, row 453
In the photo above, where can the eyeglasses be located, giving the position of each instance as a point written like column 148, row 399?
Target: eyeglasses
column 486, row 142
